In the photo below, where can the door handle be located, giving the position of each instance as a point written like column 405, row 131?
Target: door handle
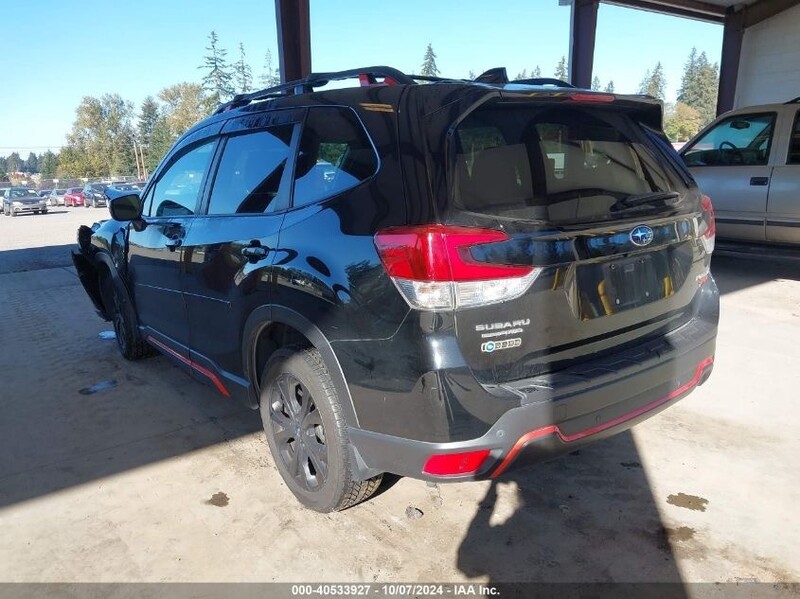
column 254, row 252
column 173, row 243
column 759, row 181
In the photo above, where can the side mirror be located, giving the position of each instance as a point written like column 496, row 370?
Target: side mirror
column 124, row 207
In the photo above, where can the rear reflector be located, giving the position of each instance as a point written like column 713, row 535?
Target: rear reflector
column 448, row 464
column 433, row 269
column 708, row 229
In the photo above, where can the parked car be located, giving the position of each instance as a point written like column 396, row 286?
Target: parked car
column 17, row 200
column 56, row 197
column 93, row 194
column 74, row 197
column 441, row 281
column 748, row 161
column 125, row 187
column 44, row 193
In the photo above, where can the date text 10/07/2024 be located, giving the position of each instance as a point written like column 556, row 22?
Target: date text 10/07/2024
column 394, row 590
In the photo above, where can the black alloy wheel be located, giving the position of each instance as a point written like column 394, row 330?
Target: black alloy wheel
column 299, row 432
column 307, row 434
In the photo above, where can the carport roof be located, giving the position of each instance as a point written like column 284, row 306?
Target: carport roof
column 711, row 10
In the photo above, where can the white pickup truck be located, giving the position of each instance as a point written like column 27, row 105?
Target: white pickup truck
column 748, row 162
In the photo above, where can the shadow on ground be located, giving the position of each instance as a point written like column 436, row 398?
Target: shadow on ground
column 40, row 258
column 734, row 272
column 596, row 503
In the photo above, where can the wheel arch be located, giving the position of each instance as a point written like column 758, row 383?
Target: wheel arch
column 103, row 262
column 259, row 323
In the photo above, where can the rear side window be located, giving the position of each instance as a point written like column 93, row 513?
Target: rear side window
column 794, row 142
column 558, row 164
column 335, row 155
column 249, row 177
column 738, row 140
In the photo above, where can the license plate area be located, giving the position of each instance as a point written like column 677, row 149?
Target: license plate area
column 623, row 284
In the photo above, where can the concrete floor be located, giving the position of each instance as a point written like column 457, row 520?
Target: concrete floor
column 157, row 478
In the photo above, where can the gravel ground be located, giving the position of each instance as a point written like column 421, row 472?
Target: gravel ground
column 118, row 471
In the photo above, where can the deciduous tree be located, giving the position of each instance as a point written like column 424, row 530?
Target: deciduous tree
column 682, row 122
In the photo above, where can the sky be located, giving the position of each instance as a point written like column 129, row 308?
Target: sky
column 54, row 52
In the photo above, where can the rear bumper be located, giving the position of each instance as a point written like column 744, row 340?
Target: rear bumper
column 571, row 408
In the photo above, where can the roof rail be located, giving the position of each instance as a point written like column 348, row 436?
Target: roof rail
column 544, row 81
column 795, row 101
column 368, row 75
column 496, row 75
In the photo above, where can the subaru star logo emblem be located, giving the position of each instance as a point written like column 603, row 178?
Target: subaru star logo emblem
column 642, row 235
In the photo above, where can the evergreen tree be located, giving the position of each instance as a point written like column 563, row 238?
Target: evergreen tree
column 429, row 68
column 161, row 141
column 218, row 77
column 536, row 73
column 48, row 164
column 687, row 91
column 522, row 75
column 471, row 75
column 596, row 83
column 269, row 77
column 243, row 74
column 610, row 87
column 654, row 83
column 148, row 114
column 31, row 164
column 561, row 70
column 699, row 86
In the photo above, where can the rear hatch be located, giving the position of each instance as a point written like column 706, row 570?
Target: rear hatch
column 576, row 228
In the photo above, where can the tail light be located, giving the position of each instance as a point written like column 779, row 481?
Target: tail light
column 708, row 228
column 432, row 267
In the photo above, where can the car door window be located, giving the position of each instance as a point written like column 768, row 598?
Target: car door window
column 743, row 139
column 178, row 188
column 335, row 154
column 248, row 180
column 794, row 142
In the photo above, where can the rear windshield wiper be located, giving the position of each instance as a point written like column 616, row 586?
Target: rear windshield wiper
column 654, row 197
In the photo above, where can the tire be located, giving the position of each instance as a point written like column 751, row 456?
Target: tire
column 129, row 341
column 306, row 432
column 44, row 211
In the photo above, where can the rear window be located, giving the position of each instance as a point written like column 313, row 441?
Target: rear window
column 559, row 164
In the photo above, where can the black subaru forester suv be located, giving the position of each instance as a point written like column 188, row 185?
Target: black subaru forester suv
column 442, row 280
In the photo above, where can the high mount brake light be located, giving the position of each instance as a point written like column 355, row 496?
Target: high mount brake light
column 708, row 228
column 600, row 98
column 433, row 269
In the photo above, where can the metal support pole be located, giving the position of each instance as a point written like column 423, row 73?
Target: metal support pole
column 729, row 64
column 294, row 39
column 581, row 48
